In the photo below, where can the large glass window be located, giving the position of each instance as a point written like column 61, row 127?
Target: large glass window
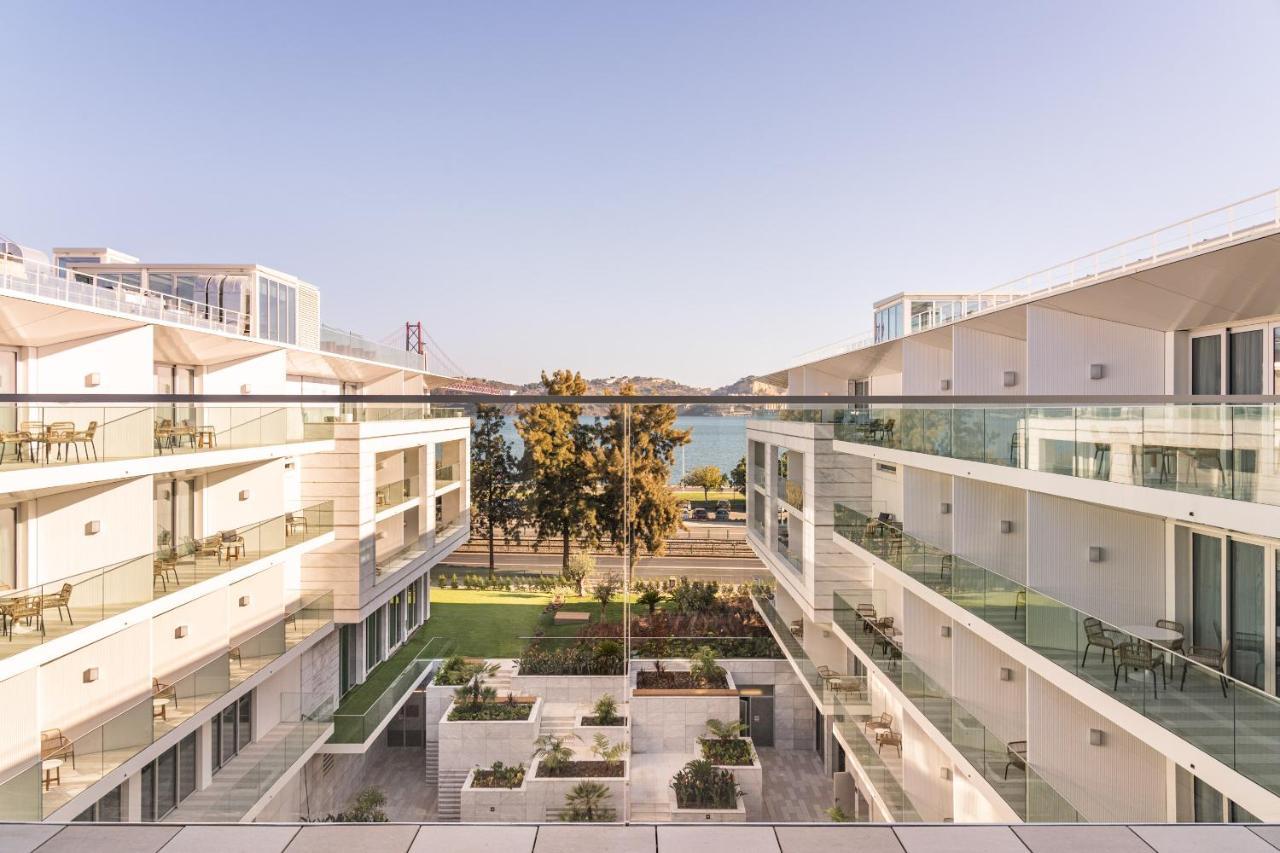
column 187, row 770
column 888, row 322
column 166, row 782
column 277, row 305
column 1248, row 602
column 1206, row 591
column 393, row 621
column 1206, row 365
column 372, row 640
column 1246, row 362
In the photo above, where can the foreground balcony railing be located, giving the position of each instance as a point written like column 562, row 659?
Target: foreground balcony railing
column 1225, row 717
column 877, row 767
column 826, row 684
column 1218, row 450
column 395, row 493
column 85, row 599
column 366, row 708
column 87, row 756
column 1004, row 765
column 447, row 475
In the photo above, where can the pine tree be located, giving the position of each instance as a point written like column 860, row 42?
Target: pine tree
column 558, row 462
column 495, row 478
column 653, row 513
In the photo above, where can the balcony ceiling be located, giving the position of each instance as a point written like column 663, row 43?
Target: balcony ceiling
column 26, row 322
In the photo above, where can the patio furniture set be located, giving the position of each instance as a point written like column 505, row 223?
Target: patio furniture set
column 15, row 609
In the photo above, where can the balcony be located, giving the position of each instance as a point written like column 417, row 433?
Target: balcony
column 395, row 493
column 1027, row 793
column 366, row 709
column 884, row 772
column 90, row 597
column 176, row 698
column 1220, row 451
column 1226, row 718
column 447, row 475
column 826, row 687
column 240, row 785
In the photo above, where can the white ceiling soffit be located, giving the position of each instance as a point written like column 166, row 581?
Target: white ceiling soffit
column 189, row 346
column 25, row 322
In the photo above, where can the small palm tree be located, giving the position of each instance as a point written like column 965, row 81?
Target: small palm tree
column 585, row 802
column 553, row 751
column 609, row 753
column 703, row 666
column 606, row 710
column 726, row 731
column 650, row 598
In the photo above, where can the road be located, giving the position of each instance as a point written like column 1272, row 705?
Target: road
column 736, row 569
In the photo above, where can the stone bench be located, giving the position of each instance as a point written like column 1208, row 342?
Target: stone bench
column 572, row 617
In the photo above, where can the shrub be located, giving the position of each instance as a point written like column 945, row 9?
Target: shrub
column 455, row 671
column 585, row 802
column 553, row 751
column 609, row 753
column 491, row 711
column 499, row 776
column 725, row 746
column 704, row 669
column 606, row 710
column 699, row 785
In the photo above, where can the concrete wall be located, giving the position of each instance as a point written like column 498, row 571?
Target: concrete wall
column 1062, row 346
column 924, row 492
column 924, row 367
column 981, row 359
column 464, row 745
column 978, row 510
column 60, row 546
column 579, row 689
column 793, row 712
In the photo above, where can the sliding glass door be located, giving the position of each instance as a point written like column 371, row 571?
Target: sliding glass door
column 1206, row 364
column 1248, row 599
column 1206, row 591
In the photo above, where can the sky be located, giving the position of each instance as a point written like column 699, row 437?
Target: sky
column 697, row 190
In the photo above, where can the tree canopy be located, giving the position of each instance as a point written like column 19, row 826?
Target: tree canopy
column 705, row 477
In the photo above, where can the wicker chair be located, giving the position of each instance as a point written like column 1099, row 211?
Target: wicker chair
column 84, row 438
column 1096, row 635
column 54, row 744
column 1140, row 656
column 60, row 601
column 1016, row 753
column 1215, row 659
column 1175, row 645
column 60, row 434
column 27, row 608
column 888, row 737
column 18, row 439
column 884, row 721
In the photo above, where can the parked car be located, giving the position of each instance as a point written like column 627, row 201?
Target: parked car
column 722, row 505
column 722, row 515
column 699, row 514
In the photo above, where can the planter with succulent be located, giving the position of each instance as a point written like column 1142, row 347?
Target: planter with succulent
column 480, row 727
column 605, row 717
column 672, row 719
column 702, row 792
column 725, row 748
column 557, row 770
column 495, row 793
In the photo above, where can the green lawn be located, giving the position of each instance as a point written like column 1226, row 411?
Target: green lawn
column 713, row 495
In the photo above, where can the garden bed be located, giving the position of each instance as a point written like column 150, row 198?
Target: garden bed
column 492, row 712
column 728, row 753
column 503, row 779
column 583, row 770
column 591, row 722
column 678, row 680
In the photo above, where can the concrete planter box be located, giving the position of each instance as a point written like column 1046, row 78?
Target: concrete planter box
column 587, row 734
column 575, row 689
column 673, row 720
column 466, row 744
column 546, row 796
column 751, row 779
column 487, row 805
column 437, row 702
column 679, row 815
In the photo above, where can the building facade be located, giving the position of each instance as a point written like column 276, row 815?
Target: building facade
column 187, row 589
column 1014, row 608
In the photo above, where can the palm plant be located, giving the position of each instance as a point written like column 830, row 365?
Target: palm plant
column 703, row 667
column 586, row 802
column 701, row 785
column 606, row 710
column 726, row 731
column 474, row 693
column 609, row 753
column 553, row 751
column 650, row 598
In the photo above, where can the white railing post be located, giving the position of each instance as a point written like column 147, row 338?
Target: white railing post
column 1231, row 221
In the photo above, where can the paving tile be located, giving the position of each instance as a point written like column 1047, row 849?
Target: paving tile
column 353, row 838
column 1071, row 839
column 594, row 839
column 1197, row 838
column 1269, row 832
column 824, row 839
column 717, row 837
column 475, row 839
column 957, row 838
column 236, row 838
column 25, row 837
column 102, row 838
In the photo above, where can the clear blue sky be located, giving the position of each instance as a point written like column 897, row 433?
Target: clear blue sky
column 692, row 189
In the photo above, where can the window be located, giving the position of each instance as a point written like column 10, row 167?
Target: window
column 1248, row 600
column 394, row 623
column 886, row 468
column 888, row 322
column 105, row 810
column 1246, row 362
column 1206, row 365
column 232, row 730
column 276, row 311
column 372, row 640
column 166, row 782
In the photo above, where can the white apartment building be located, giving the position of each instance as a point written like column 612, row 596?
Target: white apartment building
column 188, row 588
column 1010, row 608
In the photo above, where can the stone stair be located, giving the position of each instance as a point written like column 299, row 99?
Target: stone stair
column 431, row 763
column 449, row 794
column 501, row 680
column 651, row 812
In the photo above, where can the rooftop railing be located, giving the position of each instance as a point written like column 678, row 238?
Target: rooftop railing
column 84, row 599
column 108, row 292
column 1205, row 705
column 85, row 757
column 357, row 346
column 1255, row 215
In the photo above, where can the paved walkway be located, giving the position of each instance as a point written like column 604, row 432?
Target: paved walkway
column 795, row 786
column 559, row 838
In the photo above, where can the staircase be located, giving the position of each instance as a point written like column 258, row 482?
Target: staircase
column 557, row 721
column 449, row 794
column 431, row 762
column 650, row 812
column 501, row 680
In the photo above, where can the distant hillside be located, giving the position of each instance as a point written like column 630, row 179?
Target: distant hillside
column 655, row 385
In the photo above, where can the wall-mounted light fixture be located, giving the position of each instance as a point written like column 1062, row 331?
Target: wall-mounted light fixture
column 1006, row 526
column 1096, row 554
column 92, row 380
column 945, row 773
column 290, row 465
column 1097, row 737
column 1006, row 674
column 946, row 631
column 244, row 494
column 246, row 388
column 945, row 385
column 90, row 675
column 92, row 528
column 180, row 632
column 244, row 601
column 1097, row 371
column 945, row 508
column 1010, row 378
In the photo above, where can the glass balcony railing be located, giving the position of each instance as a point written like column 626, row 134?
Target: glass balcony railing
column 38, row 614
column 1004, row 765
column 827, row 684
column 395, row 493
column 1218, row 450
column 1220, row 714
column 363, row 710
column 85, row 757
column 447, row 475
column 876, row 766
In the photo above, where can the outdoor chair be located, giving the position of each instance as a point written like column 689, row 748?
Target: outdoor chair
column 1020, row 602
column 884, row 721
column 797, row 629
column 1214, row 659
column 84, row 438
column 1016, row 753
column 60, row 434
column 18, row 440
column 867, row 612
column 60, row 601
column 34, row 429
column 295, row 522
column 1096, row 635
column 888, row 737
column 164, row 566
column 1142, row 657
column 1169, row 624
column 26, row 608
column 55, row 745
column 161, row 690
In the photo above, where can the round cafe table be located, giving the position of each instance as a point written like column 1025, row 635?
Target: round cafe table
column 1152, row 634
